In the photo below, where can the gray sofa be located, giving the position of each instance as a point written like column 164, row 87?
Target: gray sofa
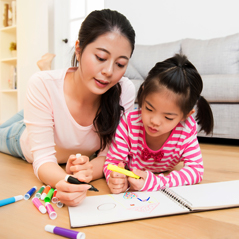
column 217, row 60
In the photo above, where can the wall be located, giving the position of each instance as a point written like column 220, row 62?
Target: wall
column 32, row 40
column 158, row 21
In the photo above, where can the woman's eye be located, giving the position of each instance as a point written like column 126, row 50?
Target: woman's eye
column 148, row 108
column 120, row 65
column 99, row 58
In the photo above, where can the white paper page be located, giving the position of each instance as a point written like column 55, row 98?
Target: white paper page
column 111, row 208
column 210, row 195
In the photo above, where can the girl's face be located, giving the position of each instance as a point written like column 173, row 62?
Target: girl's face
column 160, row 113
column 104, row 62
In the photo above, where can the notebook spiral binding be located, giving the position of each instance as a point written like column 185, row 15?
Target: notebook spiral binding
column 176, row 198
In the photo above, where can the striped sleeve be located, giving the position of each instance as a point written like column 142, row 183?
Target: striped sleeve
column 119, row 149
column 191, row 173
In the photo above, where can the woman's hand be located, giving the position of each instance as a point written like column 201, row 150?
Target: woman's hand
column 137, row 184
column 71, row 194
column 81, row 167
column 118, row 182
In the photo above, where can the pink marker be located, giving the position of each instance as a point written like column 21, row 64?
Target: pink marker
column 39, row 205
column 51, row 212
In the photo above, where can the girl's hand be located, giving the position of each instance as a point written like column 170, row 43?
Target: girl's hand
column 137, row 184
column 80, row 167
column 71, row 194
column 118, row 182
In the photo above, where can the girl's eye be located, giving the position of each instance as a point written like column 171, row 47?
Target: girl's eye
column 148, row 108
column 169, row 118
column 99, row 58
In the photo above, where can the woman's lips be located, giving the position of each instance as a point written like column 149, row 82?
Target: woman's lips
column 101, row 83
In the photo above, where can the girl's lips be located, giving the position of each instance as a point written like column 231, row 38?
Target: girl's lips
column 152, row 130
column 101, row 84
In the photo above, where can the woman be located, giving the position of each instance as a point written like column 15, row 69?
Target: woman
column 76, row 110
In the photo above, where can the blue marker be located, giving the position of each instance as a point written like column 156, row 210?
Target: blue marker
column 30, row 192
column 10, row 200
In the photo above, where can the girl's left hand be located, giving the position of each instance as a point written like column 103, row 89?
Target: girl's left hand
column 137, row 184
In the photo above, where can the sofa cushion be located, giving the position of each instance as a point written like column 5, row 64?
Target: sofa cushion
column 225, row 121
column 132, row 73
column 221, row 88
column 146, row 56
column 134, row 76
column 214, row 56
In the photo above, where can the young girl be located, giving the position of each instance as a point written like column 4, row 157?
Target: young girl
column 162, row 132
column 76, row 110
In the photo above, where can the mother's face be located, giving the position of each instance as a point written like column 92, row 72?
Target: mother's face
column 104, row 61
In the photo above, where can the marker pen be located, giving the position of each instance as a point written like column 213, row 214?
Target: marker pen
column 38, row 194
column 122, row 170
column 30, row 192
column 65, row 232
column 73, row 180
column 59, row 204
column 45, row 192
column 49, row 195
column 51, row 212
column 39, row 205
column 10, row 200
column 54, row 198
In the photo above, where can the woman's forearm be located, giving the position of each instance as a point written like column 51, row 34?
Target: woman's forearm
column 51, row 173
column 98, row 164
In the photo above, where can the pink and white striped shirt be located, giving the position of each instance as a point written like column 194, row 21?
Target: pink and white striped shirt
column 129, row 146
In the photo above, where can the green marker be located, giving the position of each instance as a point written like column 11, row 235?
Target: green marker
column 38, row 194
column 49, row 195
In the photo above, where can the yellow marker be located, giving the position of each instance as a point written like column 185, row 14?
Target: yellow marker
column 122, row 170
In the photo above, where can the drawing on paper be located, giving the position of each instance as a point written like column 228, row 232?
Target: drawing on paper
column 106, row 206
column 130, row 195
column 132, row 201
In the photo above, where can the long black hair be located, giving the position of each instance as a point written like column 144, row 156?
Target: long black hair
column 179, row 75
column 96, row 24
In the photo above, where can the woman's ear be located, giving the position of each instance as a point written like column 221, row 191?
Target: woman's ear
column 77, row 50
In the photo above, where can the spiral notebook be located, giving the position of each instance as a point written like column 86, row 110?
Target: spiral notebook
column 111, row 208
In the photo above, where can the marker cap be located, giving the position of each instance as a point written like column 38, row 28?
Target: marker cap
column 59, row 204
column 38, row 194
column 49, row 228
column 66, row 177
column 54, row 198
column 51, row 212
column 30, row 192
column 39, row 205
column 42, row 209
column 18, row 198
column 78, row 155
column 49, row 195
column 45, row 192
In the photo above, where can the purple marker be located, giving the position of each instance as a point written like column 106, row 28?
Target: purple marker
column 65, row 232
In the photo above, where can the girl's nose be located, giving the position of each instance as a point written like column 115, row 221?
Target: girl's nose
column 155, row 121
column 107, row 69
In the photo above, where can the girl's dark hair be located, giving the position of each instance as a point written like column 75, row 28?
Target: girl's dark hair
column 179, row 75
column 96, row 24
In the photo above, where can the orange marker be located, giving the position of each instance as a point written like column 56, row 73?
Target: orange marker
column 45, row 192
